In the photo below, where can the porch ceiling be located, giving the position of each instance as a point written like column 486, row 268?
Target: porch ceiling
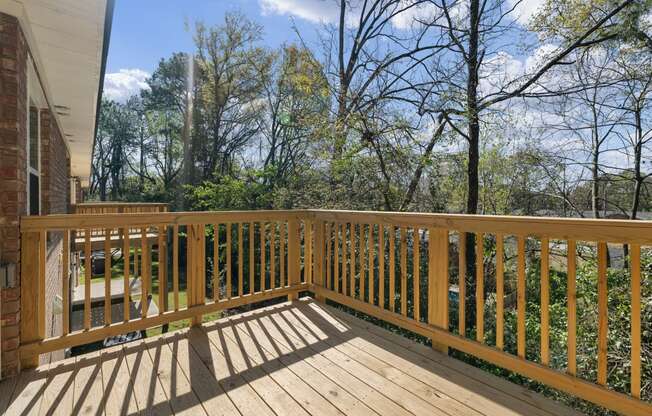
column 66, row 39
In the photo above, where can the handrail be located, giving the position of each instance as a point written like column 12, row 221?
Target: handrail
column 118, row 207
column 394, row 266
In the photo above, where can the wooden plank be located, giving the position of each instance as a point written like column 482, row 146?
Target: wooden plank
column 27, row 392
column 240, row 261
column 545, row 301
column 402, row 235
column 479, row 287
column 602, row 313
column 126, row 289
column 635, row 267
column 392, row 268
column 319, row 255
column 500, row 291
column 176, row 385
column 461, row 284
column 88, row 387
column 416, row 273
column 339, row 398
column 107, row 276
column 88, row 275
column 470, row 386
column 57, row 396
column 118, row 398
column 252, row 264
column 216, row 262
column 586, row 390
column 263, row 261
column 520, row 298
column 65, row 276
column 229, row 270
column 381, row 265
column 209, row 392
column 148, row 391
column 233, row 381
column 572, row 307
column 175, row 265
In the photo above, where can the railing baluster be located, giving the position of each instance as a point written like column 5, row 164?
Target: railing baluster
column 572, row 306
column 438, row 282
column 344, row 257
column 107, row 276
column 336, row 257
column 281, row 254
column 319, row 257
column 65, row 277
column 545, row 302
column 370, row 249
column 479, row 287
column 252, row 265
column 352, row 261
column 602, row 313
column 635, row 255
column 329, row 245
column 416, row 272
column 175, row 265
column 381, row 265
column 520, row 298
column 216, row 262
column 272, row 255
column 87, row 279
column 240, row 261
column 392, row 268
column 294, row 256
column 144, row 274
column 403, row 250
column 361, row 258
column 162, row 270
column 229, row 270
column 42, row 259
column 461, row 284
column 500, row 291
column 126, row 255
column 263, row 262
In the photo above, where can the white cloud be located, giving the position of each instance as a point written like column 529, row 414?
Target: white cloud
column 319, row 11
column 121, row 85
column 525, row 9
column 423, row 12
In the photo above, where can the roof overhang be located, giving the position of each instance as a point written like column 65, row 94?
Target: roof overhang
column 68, row 41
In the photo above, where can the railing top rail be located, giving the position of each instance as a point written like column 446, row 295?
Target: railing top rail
column 608, row 230
column 110, row 203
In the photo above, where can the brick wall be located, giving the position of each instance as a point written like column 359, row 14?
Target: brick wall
column 13, row 175
column 55, row 189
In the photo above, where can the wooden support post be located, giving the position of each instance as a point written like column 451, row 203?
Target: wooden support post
column 438, row 283
column 294, row 256
column 318, row 276
column 30, row 308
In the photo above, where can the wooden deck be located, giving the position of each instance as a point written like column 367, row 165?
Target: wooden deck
column 290, row 359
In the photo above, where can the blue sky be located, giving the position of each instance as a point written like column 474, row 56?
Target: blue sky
column 144, row 31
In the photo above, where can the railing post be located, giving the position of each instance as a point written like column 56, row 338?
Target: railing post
column 438, row 282
column 294, row 256
column 31, row 285
column 318, row 255
column 195, row 270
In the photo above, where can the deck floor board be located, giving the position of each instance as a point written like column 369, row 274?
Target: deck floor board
column 300, row 358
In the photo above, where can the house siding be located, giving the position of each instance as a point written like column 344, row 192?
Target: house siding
column 55, row 190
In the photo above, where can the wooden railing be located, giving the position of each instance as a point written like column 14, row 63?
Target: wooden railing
column 399, row 267
column 119, row 207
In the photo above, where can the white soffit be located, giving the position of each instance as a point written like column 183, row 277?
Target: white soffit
column 68, row 37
